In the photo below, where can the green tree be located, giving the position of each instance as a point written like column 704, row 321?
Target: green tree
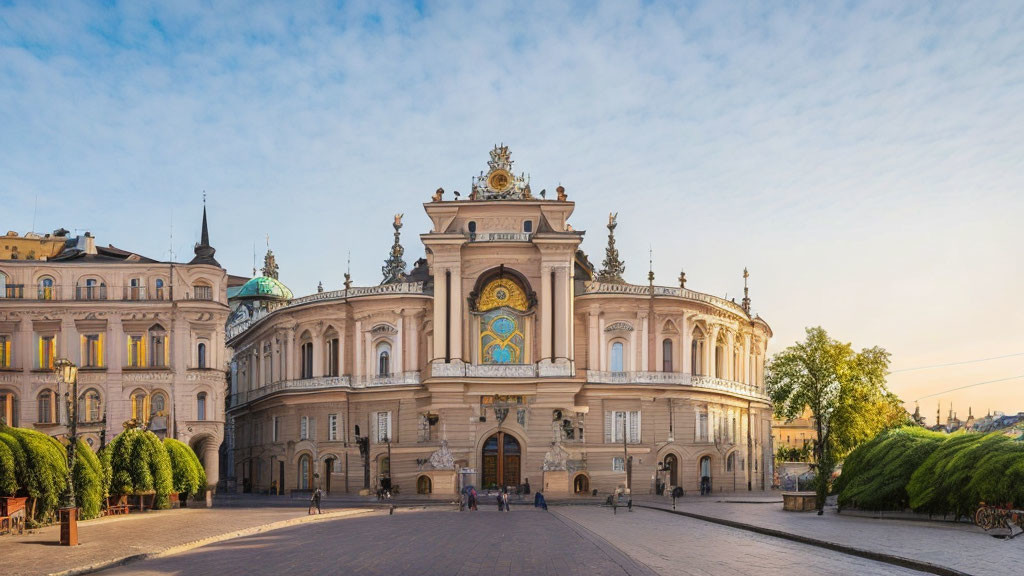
column 845, row 391
column 40, row 469
column 188, row 474
column 88, row 473
column 139, row 463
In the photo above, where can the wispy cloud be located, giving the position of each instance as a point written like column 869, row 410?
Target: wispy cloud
column 865, row 160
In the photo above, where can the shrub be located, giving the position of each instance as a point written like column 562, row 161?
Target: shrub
column 88, row 475
column 139, row 463
column 8, row 471
column 40, row 469
column 876, row 474
column 188, row 474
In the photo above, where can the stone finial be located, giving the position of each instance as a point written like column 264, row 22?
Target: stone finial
column 682, row 279
column 612, row 267
column 394, row 266
column 319, row 287
column 562, row 196
column 746, row 292
column 270, row 267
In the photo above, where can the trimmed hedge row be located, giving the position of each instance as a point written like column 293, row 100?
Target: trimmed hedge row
column 34, row 465
column 933, row 473
column 188, row 476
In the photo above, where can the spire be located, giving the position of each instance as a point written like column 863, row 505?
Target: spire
column 204, row 252
column 746, row 292
column 650, row 267
column 612, row 268
column 394, row 266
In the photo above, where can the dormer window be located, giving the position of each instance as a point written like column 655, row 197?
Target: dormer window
column 528, row 226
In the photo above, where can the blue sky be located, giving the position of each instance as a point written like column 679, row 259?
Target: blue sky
column 864, row 160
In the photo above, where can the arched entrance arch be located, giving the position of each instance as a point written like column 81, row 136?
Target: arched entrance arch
column 423, row 485
column 581, row 484
column 672, row 468
column 501, row 459
column 704, row 468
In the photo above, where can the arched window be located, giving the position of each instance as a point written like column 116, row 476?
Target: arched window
column 423, row 485
column 202, row 291
column 201, row 406
column 201, row 355
column 89, row 406
column 305, row 477
column 307, row 359
column 136, row 291
column 3, row 285
column 91, row 289
column 8, row 407
column 159, row 289
column 5, row 351
column 140, row 405
column 502, row 305
column 158, row 414
column 383, row 359
column 46, row 288
column 616, row 356
column 47, row 407
column 666, row 355
column 730, row 462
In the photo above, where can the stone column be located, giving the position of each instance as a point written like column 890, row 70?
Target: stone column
column 289, row 356
column 456, row 318
column 687, row 340
column 211, row 461
column 593, row 342
column 645, row 352
column 440, row 321
column 730, row 356
column 358, row 362
column 746, row 359
column 399, row 365
column 562, row 318
column 412, row 325
column 602, row 352
column 545, row 312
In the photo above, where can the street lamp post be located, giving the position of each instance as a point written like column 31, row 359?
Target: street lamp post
column 67, row 373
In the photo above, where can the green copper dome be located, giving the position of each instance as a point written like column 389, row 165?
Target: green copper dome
column 264, row 287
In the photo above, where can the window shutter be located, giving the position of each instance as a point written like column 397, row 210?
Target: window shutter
column 608, row 427
column 634, row 427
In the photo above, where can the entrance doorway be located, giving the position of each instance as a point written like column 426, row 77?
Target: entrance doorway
column 672, row 465
column 501, row 459
column 581, row 484
column 328, row 468
column 705, row 475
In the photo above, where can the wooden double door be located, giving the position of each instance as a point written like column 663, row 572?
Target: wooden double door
column 502, row 457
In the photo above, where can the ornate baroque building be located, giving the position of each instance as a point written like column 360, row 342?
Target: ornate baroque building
column 148, row 337
column 500, row 357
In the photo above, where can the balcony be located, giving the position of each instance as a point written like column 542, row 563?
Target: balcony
column 14, row 291
column 675, row 379
column 324, row 383
column 458, row 369
column 90, row 292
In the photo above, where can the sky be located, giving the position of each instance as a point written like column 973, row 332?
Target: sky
column 865, row 161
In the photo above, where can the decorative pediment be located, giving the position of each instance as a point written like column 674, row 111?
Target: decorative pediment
column 383, row 330
column 619, row 327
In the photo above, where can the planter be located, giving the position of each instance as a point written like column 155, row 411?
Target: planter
column 799, row 501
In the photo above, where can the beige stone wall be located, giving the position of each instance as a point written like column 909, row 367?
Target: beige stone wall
column 116, row 312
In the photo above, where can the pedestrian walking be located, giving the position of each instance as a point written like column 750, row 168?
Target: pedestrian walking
column 504, row 501
column 501, row 502
column 472, row 499
column 314, row 501
column 539, row 502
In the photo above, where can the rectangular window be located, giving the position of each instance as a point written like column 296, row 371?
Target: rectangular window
column 46, row 408
column 332, row 427
column 702, row 427
column 5, row 351
column 92, row 350
column 277, row 422
column 136, row 351
column 303, row 428
column 47, row 352
column 618, row 464
column 384, row 427
column 203, row 293
column 621, row 422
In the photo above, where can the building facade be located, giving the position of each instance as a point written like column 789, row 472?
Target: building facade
column 502, row 357
column 148, row 338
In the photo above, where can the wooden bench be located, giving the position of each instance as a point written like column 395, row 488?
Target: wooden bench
column 799, row 501
column 12, row 515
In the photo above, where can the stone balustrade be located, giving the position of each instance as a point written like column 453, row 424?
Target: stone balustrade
column 325, row 383
column 676, row 378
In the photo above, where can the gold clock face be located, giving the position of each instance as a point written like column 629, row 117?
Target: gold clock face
column 499, row 180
